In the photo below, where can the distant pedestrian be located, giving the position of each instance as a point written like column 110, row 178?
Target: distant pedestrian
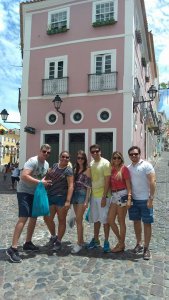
column 81, row 195
column 33, row 172
column 59, row 194
column 100, row 202
column 15, row 172
column 121, row 199
column 143, row 188
column 4, row 171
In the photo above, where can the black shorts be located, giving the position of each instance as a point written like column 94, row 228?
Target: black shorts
column 15, row 179
column 25, row 202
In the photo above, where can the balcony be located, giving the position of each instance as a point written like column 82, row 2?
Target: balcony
column 102, row 82
column 55, row 86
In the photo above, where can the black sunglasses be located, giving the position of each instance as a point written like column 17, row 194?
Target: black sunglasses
column 133, row 154
column 46, row 152
column 95, row 151
column 116, row 157
column 66, row 157
column 80, row 157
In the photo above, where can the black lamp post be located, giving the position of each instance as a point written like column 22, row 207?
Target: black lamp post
column 152, row 94
column 4, row 115
column 57, row 104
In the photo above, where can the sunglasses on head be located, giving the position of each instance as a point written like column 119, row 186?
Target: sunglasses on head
column 66, row 157
column 116, row 157
column 80, row 157
column 95, row 151
column 133, row 154
column 45, row 152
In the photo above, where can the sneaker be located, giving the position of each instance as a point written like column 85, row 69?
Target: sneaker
column 138, row 249
column 146, row 254
column 106, row 247
column 76, row 248
column 29, row 246
column 57, row 246
column 52, row 241
column 93, row 244
column 13, row 255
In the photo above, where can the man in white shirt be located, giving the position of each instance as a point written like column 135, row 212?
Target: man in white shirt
column 143, row 188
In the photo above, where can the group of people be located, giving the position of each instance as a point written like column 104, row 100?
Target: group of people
column 13, row 170
column 109, row 189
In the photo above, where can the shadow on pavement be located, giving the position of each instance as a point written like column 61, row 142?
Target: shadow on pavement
column 66, row 250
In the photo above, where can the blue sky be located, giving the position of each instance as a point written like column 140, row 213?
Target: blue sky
column 10, row 55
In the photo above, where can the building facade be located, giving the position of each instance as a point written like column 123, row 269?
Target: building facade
column 98, row 57
column 9, row 145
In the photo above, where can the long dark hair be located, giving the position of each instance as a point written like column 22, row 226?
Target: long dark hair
column 85, row 164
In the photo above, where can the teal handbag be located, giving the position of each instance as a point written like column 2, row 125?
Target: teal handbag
column 40, row 202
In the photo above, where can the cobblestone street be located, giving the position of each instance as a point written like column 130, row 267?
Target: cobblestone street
column 91, row 274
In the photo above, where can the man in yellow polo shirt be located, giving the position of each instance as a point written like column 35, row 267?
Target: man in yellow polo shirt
column 100, row 173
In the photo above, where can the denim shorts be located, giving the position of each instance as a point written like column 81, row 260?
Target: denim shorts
column 78, row 197
column 139, row 211
column 25, row 202
column 120, row 198
column 58, row 200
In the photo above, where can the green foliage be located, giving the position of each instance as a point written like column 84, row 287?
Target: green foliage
column 56, row 30
column 104, row 23
column 163, row 85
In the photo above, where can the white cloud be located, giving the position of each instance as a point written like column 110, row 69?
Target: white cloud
column 158, row 16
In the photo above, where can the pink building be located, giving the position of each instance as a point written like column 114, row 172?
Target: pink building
column 99, row 58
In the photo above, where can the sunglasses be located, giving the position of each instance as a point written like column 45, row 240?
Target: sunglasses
column 66, row 157
column 80, row 157
column 95, row 151
column 116, row 157
column 46, row 152
column 133, row 154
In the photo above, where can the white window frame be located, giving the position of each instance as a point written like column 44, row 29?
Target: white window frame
column 52, row 12
column 56, row 60
column 48, row 115
column 96, row 130
column 72, row 115
column 104, row 1
column 111, row 52
column 67, row 132
column 99, row 113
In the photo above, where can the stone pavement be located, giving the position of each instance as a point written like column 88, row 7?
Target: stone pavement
column 91, row 274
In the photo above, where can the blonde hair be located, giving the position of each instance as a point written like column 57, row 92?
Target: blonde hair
column 119, row 173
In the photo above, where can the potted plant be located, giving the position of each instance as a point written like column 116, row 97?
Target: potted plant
column 143, row 61
column 104, row 22
column 147, row 78
column 52, row 30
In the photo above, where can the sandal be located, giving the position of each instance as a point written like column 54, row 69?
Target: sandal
column 118, row 248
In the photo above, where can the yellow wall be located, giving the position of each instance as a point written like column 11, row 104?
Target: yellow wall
column 9, row 139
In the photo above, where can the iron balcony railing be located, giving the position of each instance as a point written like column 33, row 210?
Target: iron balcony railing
column 55, row 86
column 102, row 82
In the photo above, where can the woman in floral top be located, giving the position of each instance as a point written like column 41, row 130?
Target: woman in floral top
column 81, row 194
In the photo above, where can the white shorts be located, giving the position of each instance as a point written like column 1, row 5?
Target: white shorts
column 98, row 213
column 119, row 198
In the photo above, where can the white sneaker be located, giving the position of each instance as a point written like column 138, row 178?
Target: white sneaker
column 76, row 248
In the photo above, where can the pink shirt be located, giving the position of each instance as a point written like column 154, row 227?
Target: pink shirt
column 117, row 184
